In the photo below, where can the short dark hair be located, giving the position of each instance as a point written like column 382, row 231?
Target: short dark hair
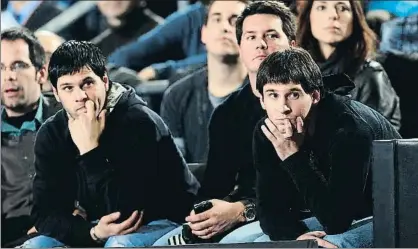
column 278, row 9
column 72, row 56
column 210, row 3
column 36, row 51
column 293, row 65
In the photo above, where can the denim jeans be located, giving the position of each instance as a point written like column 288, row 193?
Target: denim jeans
column 243, row 234
column 144, row 237
column 360, row 234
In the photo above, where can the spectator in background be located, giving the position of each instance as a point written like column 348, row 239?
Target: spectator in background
column 33, row 14
column 399, row 56
column 188, row 104
column 116, row 23
column 50, row 42
column 23, row 111
column 168, row 48
column 105, row 152
column 337, row 36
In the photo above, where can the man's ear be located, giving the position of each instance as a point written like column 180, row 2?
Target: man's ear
column 54, row 90
column 106, row 82
column 316, row 96
column 41, row 76
column 293, row 43
column 261, row 98
column 204, row 34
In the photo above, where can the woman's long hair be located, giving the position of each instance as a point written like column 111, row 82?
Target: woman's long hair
column 361, row 44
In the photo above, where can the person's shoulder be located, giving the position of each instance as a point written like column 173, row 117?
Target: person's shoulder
column 140, row 118
column 372, row 65
column 187, row 84
column 52, row 128
column 228, row 111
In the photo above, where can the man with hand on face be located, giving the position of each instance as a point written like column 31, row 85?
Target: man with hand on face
column 313, row 152
column 229, row 180
column 108, row 154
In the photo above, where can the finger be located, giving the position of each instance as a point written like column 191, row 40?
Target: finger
column 198, row 217
column 287, row 129
column 318, row 234
column 136, row 226
column 306, row 237
column 110, row 218
column 209, row 235
column 204, row 232
column 324, row 243
column 70, row 118
column 128, row 223
column 32, row 230
column 102, row 118
column 299, row 124
column 200, row 226
column 272, row 128
column 90, row 108
column 268, row 134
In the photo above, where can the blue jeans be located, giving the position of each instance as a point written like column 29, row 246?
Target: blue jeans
column 360, row 234
column 144, row 237
column 243, row 234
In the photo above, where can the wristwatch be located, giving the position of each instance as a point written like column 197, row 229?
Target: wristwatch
column 249, row 212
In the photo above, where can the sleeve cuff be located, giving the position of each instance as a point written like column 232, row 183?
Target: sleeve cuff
column 94, row 161
column 162, row 70
column 298, row 165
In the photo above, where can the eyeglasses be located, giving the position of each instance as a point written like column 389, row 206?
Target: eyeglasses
column 16, row 67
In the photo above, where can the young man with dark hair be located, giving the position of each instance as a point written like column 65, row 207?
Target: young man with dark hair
column 188, row 104
column 108, row 154
column 313, row 152
column 262, row 28
column 23, row 111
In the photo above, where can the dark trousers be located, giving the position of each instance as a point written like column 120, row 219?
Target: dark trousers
column 14, row 228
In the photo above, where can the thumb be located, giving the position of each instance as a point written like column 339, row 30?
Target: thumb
column 111, row 217
column 299, row 124
column 102, row 119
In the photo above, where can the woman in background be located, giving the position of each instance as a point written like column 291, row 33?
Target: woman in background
column 338, row 38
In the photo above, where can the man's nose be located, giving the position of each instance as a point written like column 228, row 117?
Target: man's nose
column 262, row 44
column 81, row 95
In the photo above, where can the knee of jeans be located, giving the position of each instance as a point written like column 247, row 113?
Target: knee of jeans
column 42, row 242
column 118, row 241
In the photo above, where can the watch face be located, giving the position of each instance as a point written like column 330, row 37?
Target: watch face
column 250, row 214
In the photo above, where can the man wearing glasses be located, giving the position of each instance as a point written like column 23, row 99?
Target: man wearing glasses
column 23, row 110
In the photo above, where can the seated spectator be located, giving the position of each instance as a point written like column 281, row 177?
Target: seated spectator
column 108, row 154
column 50, row 42
column 171, row 46
column 23, row 111
column 312, row 152
column 188, row 104
column 262, row 28
column 115, row 23
column 33, row 14
column 399, row 57
column 337, row 36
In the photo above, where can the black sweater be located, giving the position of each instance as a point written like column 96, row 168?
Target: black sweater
column 136, row 167
column 330, row 174
column 230, row 173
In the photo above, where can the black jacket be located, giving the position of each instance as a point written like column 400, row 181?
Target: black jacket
column 330, row 174
column 136, row 167
column 374, row 89
column 186, row 109
column 230, row 173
